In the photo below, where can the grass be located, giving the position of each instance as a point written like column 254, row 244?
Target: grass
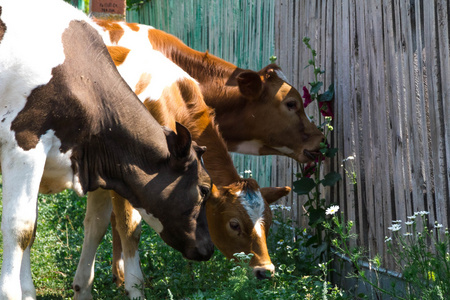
column 56, row 251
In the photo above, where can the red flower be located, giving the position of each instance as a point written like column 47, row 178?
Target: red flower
column 306, row 96
column 320, row 157
column 309, row 170
column 325, row 109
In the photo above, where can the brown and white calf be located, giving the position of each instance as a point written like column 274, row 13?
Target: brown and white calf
column 68, row 120
column 238, row 210
column 258, row 113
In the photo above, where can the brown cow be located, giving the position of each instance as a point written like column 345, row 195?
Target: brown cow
column 258, row 113
column 240, row 205
column 68, row 120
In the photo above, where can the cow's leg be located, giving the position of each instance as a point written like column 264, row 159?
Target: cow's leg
column 117, row 263
column 128, row 224
column 22, row 172
column 28, row 290
column 96, row 223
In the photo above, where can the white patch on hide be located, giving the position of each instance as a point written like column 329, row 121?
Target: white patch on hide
column 143, row 59
column 253, row 203
column 153, row 222
column 249, row 147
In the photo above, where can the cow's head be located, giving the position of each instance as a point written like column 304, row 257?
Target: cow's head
column 239, row 218
column 276, row 122
column 180, row 219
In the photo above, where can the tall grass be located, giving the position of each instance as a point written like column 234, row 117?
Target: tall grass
column 57, row 248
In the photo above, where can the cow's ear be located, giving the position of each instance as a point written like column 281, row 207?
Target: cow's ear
column 213, row 205
column 272, row 194
column 214, row 198
column 179, row 143
column 250, row 84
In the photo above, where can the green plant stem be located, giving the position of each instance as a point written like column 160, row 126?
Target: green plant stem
column 344, row 239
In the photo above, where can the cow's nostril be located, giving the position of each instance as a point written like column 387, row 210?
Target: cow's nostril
column 262, row 273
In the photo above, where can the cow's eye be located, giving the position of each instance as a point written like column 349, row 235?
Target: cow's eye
column 235, row 225
column 291, row 105
column 204, row 190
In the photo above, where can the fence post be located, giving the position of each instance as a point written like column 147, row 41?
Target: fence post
column 108, row 9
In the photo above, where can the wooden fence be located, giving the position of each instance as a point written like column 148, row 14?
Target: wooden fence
column 390, row 65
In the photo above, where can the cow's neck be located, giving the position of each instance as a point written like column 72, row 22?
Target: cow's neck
column 216, row 158
column 217, row 77
column 146, row 153
column 204, row 131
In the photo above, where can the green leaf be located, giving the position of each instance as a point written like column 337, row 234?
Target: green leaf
column 316, row 216
column 311, row 241
column 331, row 88
column 304, row 185
column 331, row 178
column 328, row 95
column 315, row 87
column 325, row 97
column 332, row 152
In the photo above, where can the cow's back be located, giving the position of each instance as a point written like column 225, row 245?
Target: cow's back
column 28, row 55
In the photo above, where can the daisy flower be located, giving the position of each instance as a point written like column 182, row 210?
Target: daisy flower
column 422, row 213
column 332, row 210
column 395, row 227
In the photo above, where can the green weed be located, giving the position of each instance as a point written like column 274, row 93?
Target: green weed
column 57, row 248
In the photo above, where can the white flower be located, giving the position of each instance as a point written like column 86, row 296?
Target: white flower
column 395, row 227
column 332, row 210
column 386, row 239
column 438, row 226
column 397, row 221
column 409, row 223
column 351, row 157
column 413, row 217
column 408, row 234
column 422, row 213
column 280, row 206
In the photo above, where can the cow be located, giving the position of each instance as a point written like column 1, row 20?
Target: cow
column 69, row 120
column 258, row 113
column 238, row 210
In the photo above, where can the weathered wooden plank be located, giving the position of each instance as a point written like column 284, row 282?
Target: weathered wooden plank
column 432, row 75
column 442, row 10
column 367, row 143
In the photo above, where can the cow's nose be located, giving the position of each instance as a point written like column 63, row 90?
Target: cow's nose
column 264, row 272
column 200, row 253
